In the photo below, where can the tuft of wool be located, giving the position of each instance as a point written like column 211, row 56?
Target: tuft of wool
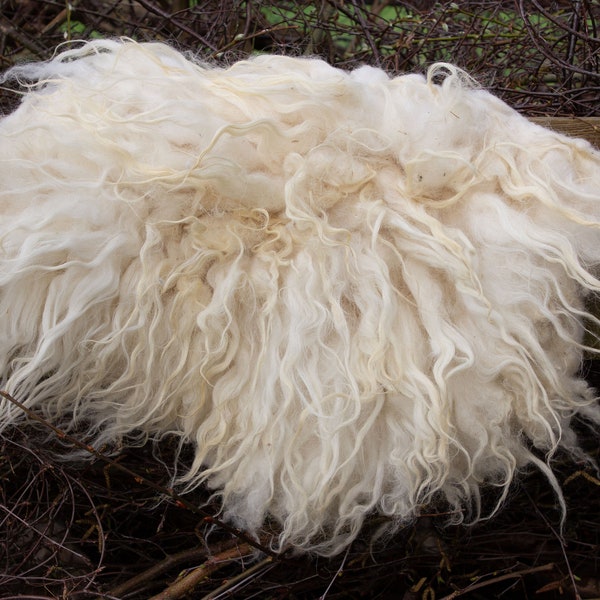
column 352, row 293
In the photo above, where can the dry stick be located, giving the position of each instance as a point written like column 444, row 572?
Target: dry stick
column 158, row 569
column 514, row 575
column 318, row 35
column 587, row 128
column 365, row 28
column 173, row 560
column 233, row 581
column 187, row 583
column 336, row 576
column 42, row 535
column 245, row 37
column 180, row 500
column 543, row 46
column 562, row 544
column 168, row 17
column 8, row 29
column 60, row 18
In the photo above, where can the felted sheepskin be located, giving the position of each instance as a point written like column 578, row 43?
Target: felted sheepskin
column 352, row 293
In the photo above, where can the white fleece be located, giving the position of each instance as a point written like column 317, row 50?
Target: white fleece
column 353, row 294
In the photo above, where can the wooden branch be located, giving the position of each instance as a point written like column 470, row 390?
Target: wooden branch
column 159, row 568
column 186, row 583
column 587, row 128
column 140, row 479
column 482, row 582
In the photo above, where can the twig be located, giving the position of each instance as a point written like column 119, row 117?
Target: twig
column 149, row 6
column 542, row 46
column 361, row 19
column 57, row 543
column 158, row 569
column 561, row 542
column 338, row 573
column 180, row 500
column 243, row 37
column 188, row 582
column 233, row 582
column 514, row 575
column 7, row 28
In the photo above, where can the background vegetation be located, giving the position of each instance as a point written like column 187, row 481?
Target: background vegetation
column 541, row 57
column 111, row 528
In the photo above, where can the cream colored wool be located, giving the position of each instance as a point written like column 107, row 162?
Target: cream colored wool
column 353, row 294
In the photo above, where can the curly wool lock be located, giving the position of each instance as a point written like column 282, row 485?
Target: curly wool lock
column 351, row 293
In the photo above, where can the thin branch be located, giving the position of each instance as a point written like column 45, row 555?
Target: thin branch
column 187, row 583
column 159, row 568
column 499, row 579
column 180, row 500
column 149, row 6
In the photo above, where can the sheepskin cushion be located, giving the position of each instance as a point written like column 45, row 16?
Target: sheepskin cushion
column 351, row 293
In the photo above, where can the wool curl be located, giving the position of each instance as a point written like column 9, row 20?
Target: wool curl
column 354, row 294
